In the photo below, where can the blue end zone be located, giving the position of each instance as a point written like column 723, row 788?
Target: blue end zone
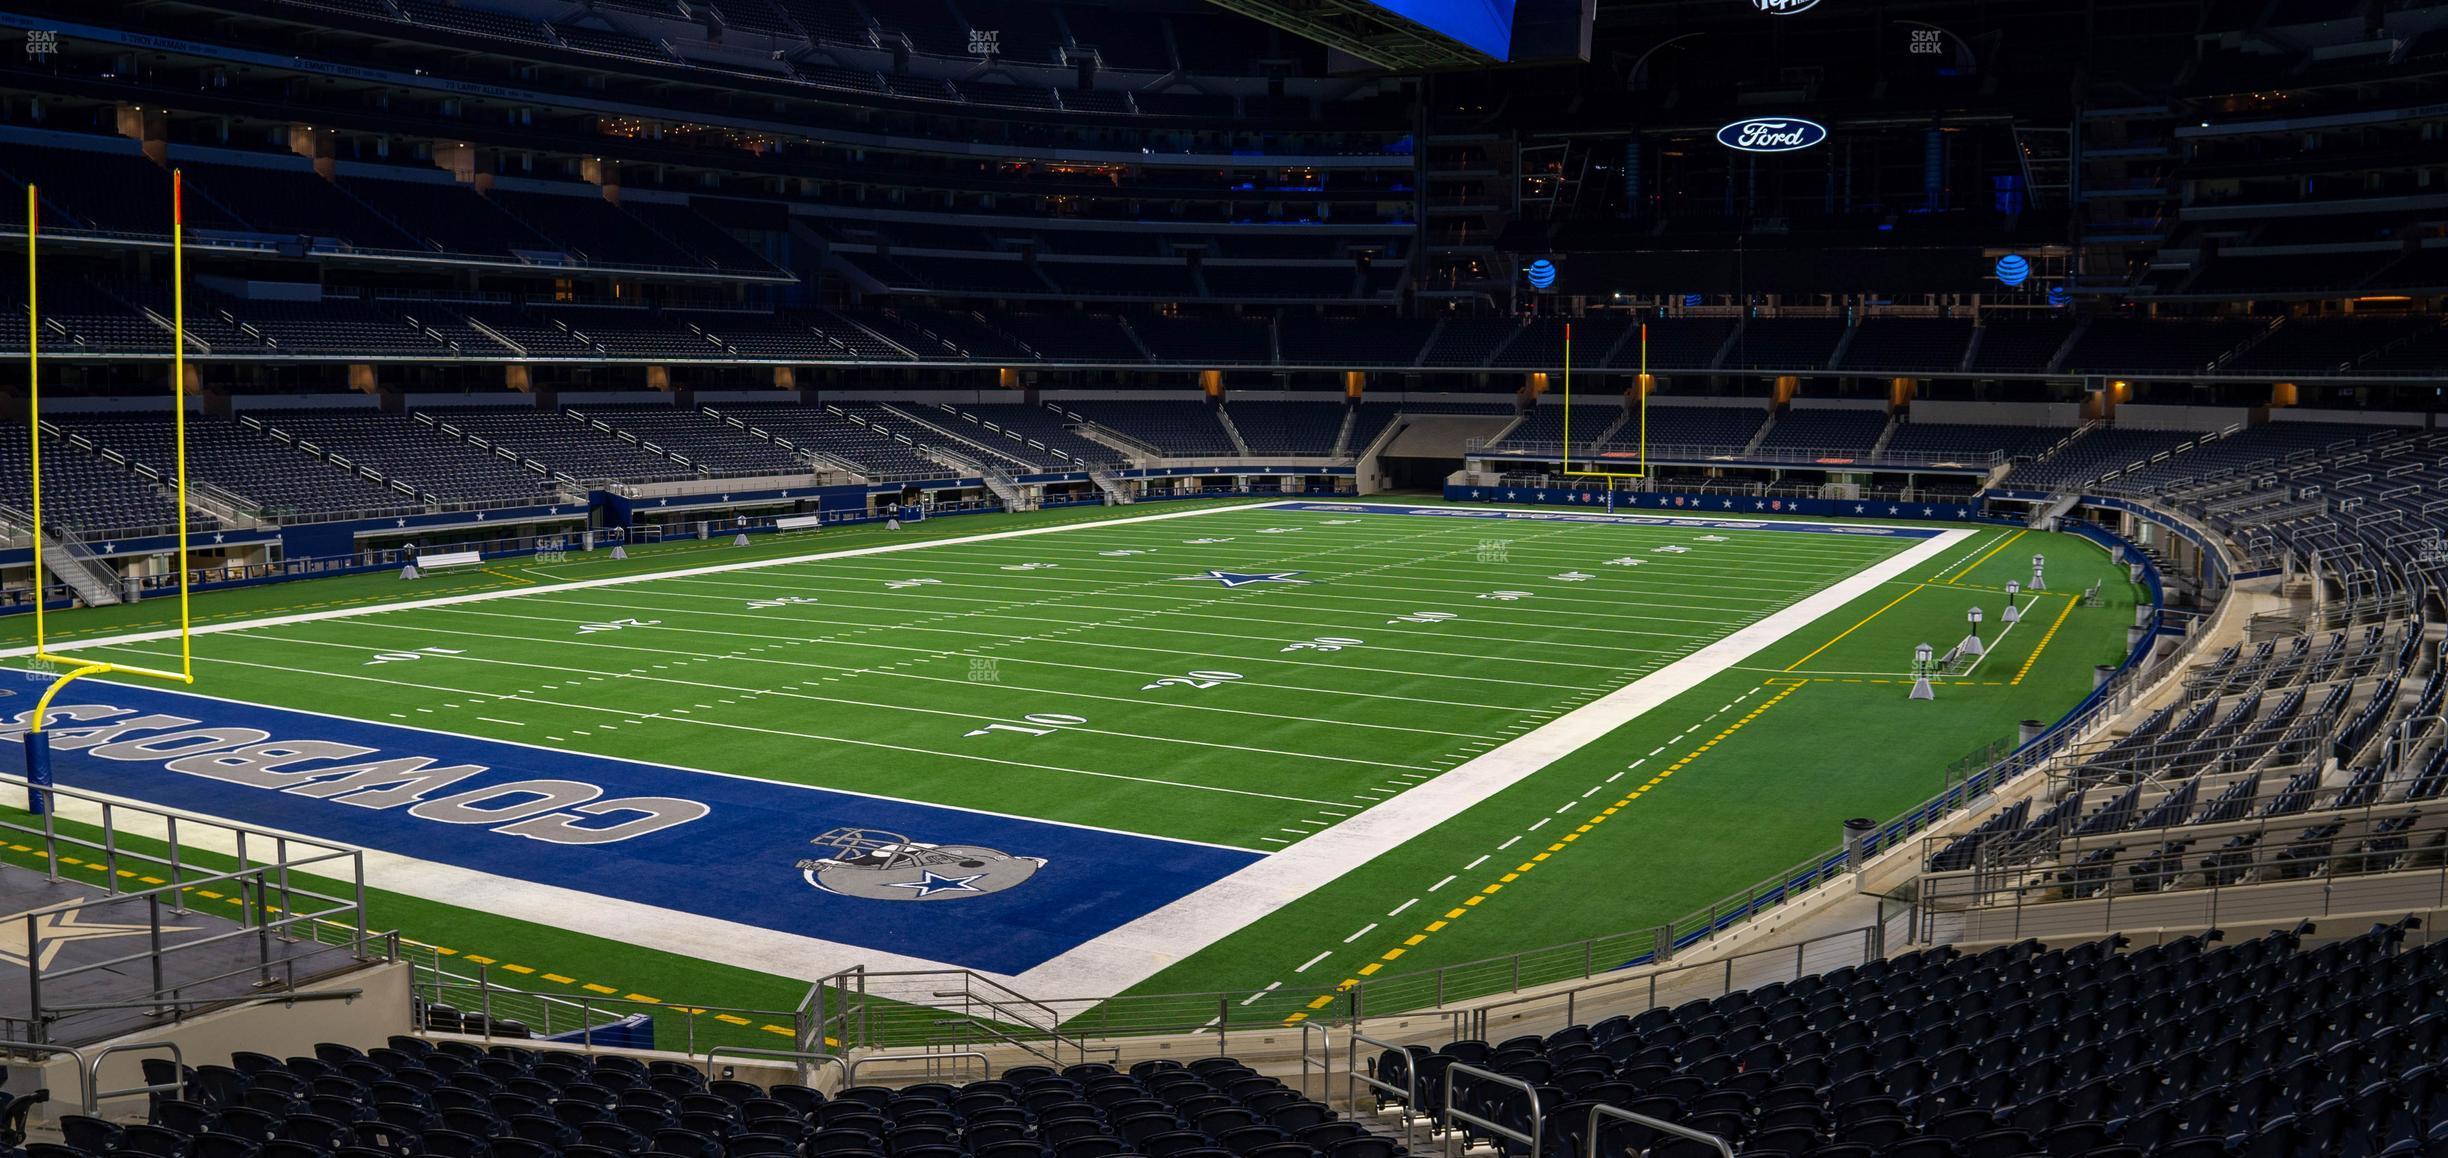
column 1718, row 524
column 712, row 845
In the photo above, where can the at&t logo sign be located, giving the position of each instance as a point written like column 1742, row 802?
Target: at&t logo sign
column 1771, row 135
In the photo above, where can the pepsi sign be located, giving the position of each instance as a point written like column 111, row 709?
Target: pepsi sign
column 1771, row 135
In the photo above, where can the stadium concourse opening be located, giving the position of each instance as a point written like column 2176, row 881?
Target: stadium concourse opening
column 1076, row 579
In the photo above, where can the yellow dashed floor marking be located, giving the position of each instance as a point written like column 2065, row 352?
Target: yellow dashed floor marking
column 1324, row 1000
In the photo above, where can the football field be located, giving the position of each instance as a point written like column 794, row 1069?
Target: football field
column 1150, row 749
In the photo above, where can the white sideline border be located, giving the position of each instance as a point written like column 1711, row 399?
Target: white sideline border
column 1130, row 953
column 1133, row 952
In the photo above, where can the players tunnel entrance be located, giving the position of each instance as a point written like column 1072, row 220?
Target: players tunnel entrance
column 1409, row 473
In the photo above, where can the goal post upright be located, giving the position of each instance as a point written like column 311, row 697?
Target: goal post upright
column 38, row 742
column 1641, row 468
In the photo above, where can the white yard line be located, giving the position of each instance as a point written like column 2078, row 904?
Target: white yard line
column 1544, row 604
column 621, row 580
column 628, row 716
column 1475, row 656
column 1474, row 578
column 912, row 708
column 1004, row 637
column 1987, row 649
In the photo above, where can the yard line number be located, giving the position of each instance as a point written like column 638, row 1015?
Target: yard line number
column 1047, row 724
column 1200, row 680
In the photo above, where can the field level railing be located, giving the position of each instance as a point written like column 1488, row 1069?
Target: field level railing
column 285, row 923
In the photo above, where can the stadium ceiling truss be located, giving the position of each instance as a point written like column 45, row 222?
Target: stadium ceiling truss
column 1364, row 30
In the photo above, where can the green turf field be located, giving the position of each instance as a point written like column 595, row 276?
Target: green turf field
column 1285, row 683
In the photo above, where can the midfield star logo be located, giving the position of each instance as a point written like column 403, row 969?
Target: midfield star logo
column 1242, row 578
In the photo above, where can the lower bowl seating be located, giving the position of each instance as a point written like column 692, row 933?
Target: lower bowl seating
column 456, row 1099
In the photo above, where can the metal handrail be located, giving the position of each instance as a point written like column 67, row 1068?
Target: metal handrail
column 84, row 1083
column 1477, row 1026
column 256, row 878
column 1698, row 453
column 1325, row 1058
column 1602, row 1110
column 260, row 929
column 1452, row 1115
column 343, row 996
column 1355, row 1077
column 803, row 1061
column 851, row 1068
column 93, row 1072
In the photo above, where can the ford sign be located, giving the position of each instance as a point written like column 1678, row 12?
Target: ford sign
column 1771, row 135
column 1784, row 7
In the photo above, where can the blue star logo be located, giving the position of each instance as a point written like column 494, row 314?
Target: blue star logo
column 933, row 884
column 1242, row 578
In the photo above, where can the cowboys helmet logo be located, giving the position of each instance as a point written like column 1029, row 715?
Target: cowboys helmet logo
column 885, row 866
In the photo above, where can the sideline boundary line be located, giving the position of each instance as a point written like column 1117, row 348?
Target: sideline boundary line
column 1125, row 956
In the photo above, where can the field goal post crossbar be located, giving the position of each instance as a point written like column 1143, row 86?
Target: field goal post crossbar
column 1640, row 387
column 37, row 741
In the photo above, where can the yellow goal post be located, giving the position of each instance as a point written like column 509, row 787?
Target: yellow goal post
column 38, row 747
column 1639, row 459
